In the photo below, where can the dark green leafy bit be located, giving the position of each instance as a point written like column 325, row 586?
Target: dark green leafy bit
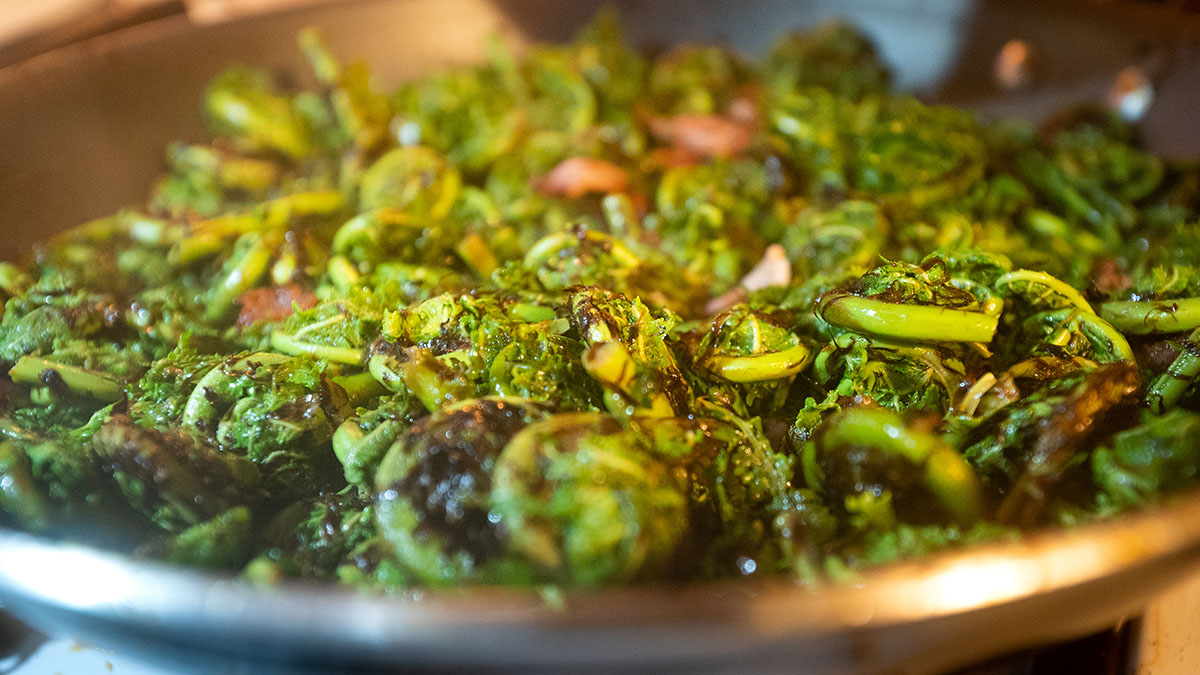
column 52, row 315
column 834, row 57
column 1033, row 450
column 1139, row 465
column 313, row 537
column 912, row 541
column 218, row 543
column 53, row 483
column 584, row 316
column 278, row 412
column 160, row 396
column 174, row 479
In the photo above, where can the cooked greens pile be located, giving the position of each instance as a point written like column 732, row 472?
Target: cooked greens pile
column 583, row 316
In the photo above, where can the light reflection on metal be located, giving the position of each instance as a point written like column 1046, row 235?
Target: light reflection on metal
column 405, row 132
column 904, row 614
column 1131, row 93
column 1013, row 65
column 970, row 584
column 59, row 577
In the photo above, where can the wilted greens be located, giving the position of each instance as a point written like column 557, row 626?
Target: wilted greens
column 583, row 316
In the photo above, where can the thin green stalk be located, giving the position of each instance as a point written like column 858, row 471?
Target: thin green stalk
column 19, row 494
column 1168, row 388
column 1152, row 316
column 906, row 321
column 289, row 344
column 246, row 273
column 36, row 371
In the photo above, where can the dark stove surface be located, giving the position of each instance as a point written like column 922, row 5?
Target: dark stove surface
column 1110, row 652
column 24, row 651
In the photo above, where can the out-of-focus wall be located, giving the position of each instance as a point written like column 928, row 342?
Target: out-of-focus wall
column 28, row 27
column 210, row 11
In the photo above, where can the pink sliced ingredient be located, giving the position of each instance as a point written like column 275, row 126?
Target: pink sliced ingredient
column 704, row 135
column 577, row 176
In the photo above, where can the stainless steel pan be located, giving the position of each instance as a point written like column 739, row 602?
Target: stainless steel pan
column 82, row 131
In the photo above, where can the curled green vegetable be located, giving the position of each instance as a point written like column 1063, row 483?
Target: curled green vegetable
column 434, row 484
column 1069, row 327
column 1041, row 288
column 920, row 462
column 760, row 367
column 587, row 504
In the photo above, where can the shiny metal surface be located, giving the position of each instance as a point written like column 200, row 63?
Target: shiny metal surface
column 82, row 131
column 922, row 616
